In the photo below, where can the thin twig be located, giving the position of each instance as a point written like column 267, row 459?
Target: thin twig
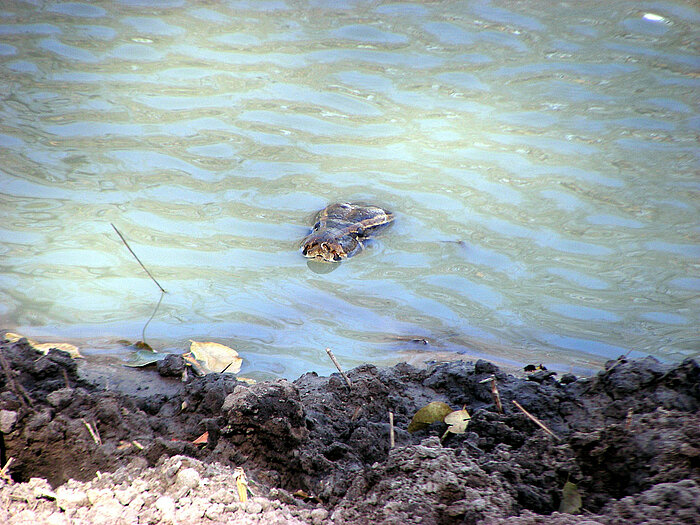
column 22, row 394
column 392, row 441
column 337, row 365
column 494, row 392
column 143, row 332
column 537, row 421
column 3, row 473
column 94, row 433
column 137, row 258
column 619, row 360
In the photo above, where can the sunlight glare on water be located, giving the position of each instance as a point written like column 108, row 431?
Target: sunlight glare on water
column 541, row 159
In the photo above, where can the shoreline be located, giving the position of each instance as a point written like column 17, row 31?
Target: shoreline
column 315, row 451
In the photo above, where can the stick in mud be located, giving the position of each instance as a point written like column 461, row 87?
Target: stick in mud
column 22, row 394
column 337, row 365
column 494, row 392
column 94, row 433
column 3, row 473
column 537, row 421
column 392, row 441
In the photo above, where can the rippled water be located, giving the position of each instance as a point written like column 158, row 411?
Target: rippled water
column 541, row 158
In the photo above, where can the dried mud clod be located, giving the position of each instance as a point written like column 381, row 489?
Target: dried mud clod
column 628, row 437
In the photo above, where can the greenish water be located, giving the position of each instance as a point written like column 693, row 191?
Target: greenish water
column 541, row 158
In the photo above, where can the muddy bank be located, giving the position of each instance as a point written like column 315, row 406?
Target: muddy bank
column 316, row 451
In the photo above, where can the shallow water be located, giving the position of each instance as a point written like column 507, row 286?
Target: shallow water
column 541, row 159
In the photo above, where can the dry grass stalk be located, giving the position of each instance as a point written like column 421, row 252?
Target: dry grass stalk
column 337, row 365
column 392, row 441
column 494, row 393
column 93, row 432
column 22, row 394
column 536, row 421
column 4, row 472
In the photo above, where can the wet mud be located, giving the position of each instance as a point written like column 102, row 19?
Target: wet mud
column 317, row 451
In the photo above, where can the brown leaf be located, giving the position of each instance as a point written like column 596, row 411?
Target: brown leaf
column 202, row 440
column 216, row 357
column 45, row 347
column 430, row 413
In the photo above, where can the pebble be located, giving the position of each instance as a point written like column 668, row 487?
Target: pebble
column 253, row 507
column 188, row 477
column 60, row 398
column 318, row 516
column 70, row 498
column 8, row 418
column 166, row 506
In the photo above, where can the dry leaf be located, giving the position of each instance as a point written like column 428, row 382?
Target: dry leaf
column 202, row 440
column 241, row 483
column 570, row 499
column 430, row 413
column 216, row 357
column 457, row 421
column 246, row 379
column 45, row 347
column 196, row 366
column 141, row 358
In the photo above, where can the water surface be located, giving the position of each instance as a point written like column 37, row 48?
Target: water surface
column 541, row 159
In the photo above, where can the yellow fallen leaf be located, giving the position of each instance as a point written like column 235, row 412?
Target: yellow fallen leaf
column 246, row 380
column 45, row 347
column 216, row 357
column 570, row 499
column 430, row 413
column 241, row 484
column 457, row 422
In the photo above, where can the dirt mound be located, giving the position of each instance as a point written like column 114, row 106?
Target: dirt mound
column 627, row 438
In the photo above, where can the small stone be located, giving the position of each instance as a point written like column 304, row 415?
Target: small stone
column 253, row 507
column 60, row 398
column 264, row 503
column 70, row 498
column 8, row 418
column 188, row 477
column 171, row 366
column 105, row 513
column 318, row 516
column 223, row 496
column 166, row 506
column 125, row 496
column 214, row 512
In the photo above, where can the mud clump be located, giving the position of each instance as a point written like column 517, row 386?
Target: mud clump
column 316, row 451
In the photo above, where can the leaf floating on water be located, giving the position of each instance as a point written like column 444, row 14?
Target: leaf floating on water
column 430, row 413
column 570, row 499
column 142, row 345
column 141, row 358
column 457, row 421
column 45, row 347
column 216, row 357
